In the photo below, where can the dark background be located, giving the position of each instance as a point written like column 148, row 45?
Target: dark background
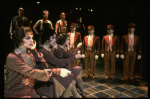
column 118, row 14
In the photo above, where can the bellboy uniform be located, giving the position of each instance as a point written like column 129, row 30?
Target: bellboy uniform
column 130, row 46
column 110, row 50
column 91, row 50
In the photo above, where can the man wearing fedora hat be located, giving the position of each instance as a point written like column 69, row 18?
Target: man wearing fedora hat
column 90, row 50
column 110, row 50
column 130, row 47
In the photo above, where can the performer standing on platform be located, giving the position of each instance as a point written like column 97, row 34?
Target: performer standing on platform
column 80, row 27
column 110, row 50
column 61, row 25
column 90, row 50
column 130, row 47
column 42, row 24
column 75, row 39
column 18, row 21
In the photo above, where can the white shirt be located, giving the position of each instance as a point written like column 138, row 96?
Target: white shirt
column 72, row 39
column 131, row 42
column 90, row 40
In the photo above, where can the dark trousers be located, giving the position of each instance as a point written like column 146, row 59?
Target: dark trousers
column 128, row 62
column 90, row 63
column 109, row 61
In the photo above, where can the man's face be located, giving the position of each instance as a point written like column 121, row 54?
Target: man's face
column 63, row 16
column 131, row 30
column 45, row 15
column 21, row 11
column 52, row 40
column 72, row 28
column 110, row 31
column 91, row 31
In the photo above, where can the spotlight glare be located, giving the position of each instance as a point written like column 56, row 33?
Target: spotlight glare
column 38, row 2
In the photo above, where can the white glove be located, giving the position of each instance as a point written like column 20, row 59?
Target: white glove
column 122, row 56
column 83, row 55
column 79, row 45
column 96, row 57
column 139, row 56
column 64, row 72
column 79, row 52
column 78, row 56
column 102, row 55
column 117, row 56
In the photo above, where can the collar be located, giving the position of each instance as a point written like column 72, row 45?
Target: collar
column 91, row 35
column 111, row 35
column 46, row 47
column 62, row 47
column 73, row 32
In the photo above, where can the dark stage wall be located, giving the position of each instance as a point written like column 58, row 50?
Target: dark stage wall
column 118, row 14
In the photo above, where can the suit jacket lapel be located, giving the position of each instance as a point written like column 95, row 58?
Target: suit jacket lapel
column 107, row 39
column 113, row 40
column 135, row 39
column 69, row 35
column 94, row 40
column 86, row 40
column 127, row 39
column 75, row 38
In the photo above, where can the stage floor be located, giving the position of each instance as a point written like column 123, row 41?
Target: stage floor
column 99, row 87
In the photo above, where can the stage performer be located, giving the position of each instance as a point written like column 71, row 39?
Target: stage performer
column 130, row 47
column 80, row 27
column 42, row 24
column 61, row 25
column 75, row 39
column 18, row 21
column 110, row 50
column 90, row 50
column 63, row 51
column 21, row 67
column 63, row 84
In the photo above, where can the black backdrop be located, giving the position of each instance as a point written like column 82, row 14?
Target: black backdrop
column 118, row 14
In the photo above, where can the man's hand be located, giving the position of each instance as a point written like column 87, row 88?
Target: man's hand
column 96, row 57
column 102, row 55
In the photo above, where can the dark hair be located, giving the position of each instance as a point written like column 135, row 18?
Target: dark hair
column 19, row 34
column 46, row 35
column 61, row 39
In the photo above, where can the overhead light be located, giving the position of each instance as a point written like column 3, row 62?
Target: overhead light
column 80, row 9
column 38, row 2
column 91, row 10
column 76, row 8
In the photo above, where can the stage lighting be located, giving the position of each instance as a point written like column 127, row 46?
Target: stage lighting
column 80, row 9
column 76, row 8
column 91, row 10
column 38, row 2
